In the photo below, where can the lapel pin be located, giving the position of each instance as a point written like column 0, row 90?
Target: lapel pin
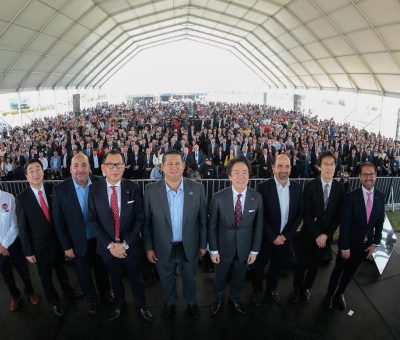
column 190, row 192
column 252, row 198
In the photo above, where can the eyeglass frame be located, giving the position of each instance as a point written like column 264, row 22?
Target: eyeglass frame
column 118, row 165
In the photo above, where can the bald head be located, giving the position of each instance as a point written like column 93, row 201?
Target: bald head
column 80, row 169
column 281, row 168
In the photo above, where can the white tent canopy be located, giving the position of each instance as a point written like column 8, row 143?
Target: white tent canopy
column 350, row 45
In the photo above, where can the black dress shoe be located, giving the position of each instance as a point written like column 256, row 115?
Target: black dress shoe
column 256, row 299
column 305, row 295
column 58, row 311
column 73, row 296
column 274, row 296
column 107, row 297
column 193, row 311
column 92, row 308
column 169, row 311
column 328, row 301
column 237, row 306
column 145, row 314
column 115, row 313
column 295, row 296
column 340, row 300
column 216, row 308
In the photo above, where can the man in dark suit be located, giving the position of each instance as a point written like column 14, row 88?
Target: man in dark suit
column 197, row 156
column 76, row 235
column 116, row 213
column 234, row 232
column 283, row 211
column 175, row 232
column 136, row 163
column 265, row 163
column 361, row 227
column 323, row 197
column 38, row 237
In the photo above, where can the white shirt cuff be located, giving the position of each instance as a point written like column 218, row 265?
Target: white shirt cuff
column 254, row 253
column 214, row 252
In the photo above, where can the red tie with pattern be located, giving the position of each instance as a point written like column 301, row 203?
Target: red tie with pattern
column 238, row 211
column 43, row 205
column 115, row 212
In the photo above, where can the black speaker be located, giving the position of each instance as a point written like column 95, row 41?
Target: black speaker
column 76, row 102
column 297, row 102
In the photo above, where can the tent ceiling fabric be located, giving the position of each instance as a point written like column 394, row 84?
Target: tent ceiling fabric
column 348, row 45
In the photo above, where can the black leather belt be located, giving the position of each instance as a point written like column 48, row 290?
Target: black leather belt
column 176, row 244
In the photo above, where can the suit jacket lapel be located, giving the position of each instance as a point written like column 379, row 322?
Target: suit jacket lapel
column 164, row 201
column 187, row 198
column 275, row 199
column 361, row 204
column 104, row 198
column 124, row 200
column 249, row 198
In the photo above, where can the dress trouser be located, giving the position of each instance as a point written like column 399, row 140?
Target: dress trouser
column 131, row 264
column 18, row 260
column 84, row 265
column 221, row 273
column 167, row 272
column 309, row 258
column 277, row 255
column 345, row 269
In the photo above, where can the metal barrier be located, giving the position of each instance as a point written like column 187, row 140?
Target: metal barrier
column 390, row 186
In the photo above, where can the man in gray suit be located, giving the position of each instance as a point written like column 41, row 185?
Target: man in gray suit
column 234, row 232
column 175, row 231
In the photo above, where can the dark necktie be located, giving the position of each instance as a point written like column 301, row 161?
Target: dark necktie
column 115, row 212
column 326, row 195
column 238, row 211
column 44, row 207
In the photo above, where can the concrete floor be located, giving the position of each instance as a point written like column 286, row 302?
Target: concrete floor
column 374, row 300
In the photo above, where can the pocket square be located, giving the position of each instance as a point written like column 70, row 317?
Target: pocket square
column 251, row 211
column 130, row 202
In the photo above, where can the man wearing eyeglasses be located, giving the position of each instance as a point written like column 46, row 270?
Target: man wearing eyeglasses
column 323, row 197
column 360, row 233
column 117, row 216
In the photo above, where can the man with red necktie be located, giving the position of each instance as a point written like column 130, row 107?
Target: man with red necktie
column 117, row 216
column 360, row 233
column 38, row 236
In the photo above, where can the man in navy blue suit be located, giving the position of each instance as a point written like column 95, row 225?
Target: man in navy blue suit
column 360, row 233
column 76, row 235
column 283, row 211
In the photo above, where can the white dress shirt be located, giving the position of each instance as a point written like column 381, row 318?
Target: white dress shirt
column 284, row 199
column 36, row 192
column 8, row 219
column 109, row 193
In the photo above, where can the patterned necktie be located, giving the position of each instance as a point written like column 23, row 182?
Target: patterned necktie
column 238, row 211
column 368, row 206
column 326, row 195
column 115, row 212
column 43, row 205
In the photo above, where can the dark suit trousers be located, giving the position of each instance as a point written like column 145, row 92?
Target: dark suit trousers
column 167, row 273
column 132, row 265
column 45, row 270
column 345, row 269
column 84, row 265
column 221, row 273
column 309, row 258
column 277, row 256
column 18, row 260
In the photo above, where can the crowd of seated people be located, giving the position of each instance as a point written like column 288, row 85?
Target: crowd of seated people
column 209, row 135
